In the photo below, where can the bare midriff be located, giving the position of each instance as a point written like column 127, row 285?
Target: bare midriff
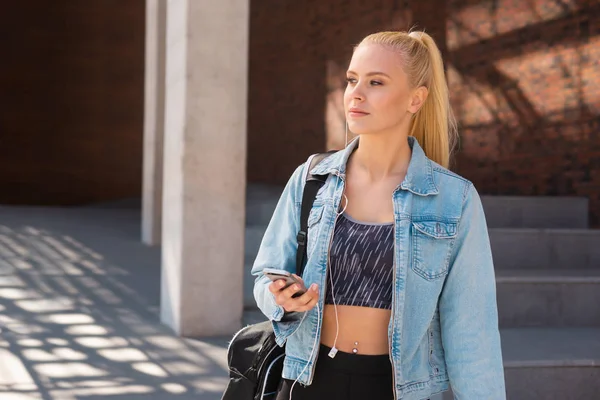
column 361, row 328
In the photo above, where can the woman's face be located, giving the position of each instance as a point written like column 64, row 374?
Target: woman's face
column 378, row 96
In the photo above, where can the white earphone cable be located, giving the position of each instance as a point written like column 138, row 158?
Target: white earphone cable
column 334, row 349
column 312, row 352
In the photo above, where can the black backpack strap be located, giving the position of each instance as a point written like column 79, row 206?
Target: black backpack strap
column 311, row 187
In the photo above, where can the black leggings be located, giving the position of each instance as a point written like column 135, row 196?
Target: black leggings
column 347, row 376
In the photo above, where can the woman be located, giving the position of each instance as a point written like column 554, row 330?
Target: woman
column 401, row 299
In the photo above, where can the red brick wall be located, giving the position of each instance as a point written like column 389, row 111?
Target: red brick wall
column 71, row 104
column 524, row 79
column 524, row 82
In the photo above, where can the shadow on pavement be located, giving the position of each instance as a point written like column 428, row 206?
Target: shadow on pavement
column 79, row 298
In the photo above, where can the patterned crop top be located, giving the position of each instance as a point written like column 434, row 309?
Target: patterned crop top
column 361, row 264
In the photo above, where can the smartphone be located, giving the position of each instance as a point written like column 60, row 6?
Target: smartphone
column 276, row 274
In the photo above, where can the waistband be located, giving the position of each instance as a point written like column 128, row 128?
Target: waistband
column 354, row 363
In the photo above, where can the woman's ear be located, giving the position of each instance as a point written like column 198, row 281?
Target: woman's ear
column 417, row 99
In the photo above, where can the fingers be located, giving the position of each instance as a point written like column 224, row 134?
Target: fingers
column 308, row 295
column 289, row 292
column 304, row 302
column 275, row 286
column 309, row 299
column 309, row 306
column 284, row 297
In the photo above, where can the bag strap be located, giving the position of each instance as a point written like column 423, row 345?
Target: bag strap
column 312, row 185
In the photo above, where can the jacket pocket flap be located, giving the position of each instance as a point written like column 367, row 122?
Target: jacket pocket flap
column 436, row 229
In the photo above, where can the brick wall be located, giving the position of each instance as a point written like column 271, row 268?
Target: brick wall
column 71, row 110
column 524, row 79
column 299, row 51
column 523, row 75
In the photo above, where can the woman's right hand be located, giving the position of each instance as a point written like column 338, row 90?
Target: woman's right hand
column 283, row 297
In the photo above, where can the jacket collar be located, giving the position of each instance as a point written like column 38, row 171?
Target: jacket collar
column 419, row 177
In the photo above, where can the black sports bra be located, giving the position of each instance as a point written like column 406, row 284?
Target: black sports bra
column 361, row 264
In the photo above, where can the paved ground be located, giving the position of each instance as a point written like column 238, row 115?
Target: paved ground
column 79, row 303
column 79, row 300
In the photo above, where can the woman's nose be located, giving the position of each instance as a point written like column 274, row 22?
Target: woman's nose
column 357, row 94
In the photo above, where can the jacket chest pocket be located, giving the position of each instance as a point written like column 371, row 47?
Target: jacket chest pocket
column 432, row 243
column 314, row 219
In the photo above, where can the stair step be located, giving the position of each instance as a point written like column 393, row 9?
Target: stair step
column 545, row 248
column 548, row 297
column 551, row 364
column 261, row 201
column 536, row 212
column 551, row 347
column 549, row 276
column 254, row 235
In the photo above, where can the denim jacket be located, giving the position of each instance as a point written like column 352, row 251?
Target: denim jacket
column 444, row 325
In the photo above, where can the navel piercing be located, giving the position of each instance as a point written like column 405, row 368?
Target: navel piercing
column 355, row 349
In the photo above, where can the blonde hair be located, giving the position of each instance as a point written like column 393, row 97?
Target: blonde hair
column 434, row 125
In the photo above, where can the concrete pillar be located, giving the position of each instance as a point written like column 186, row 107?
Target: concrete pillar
column 154, row 120
column 204, row 166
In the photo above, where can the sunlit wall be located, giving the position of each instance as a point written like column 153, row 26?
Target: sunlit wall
column 524, row 80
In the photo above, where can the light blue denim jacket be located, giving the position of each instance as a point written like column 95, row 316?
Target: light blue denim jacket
column 444, row 325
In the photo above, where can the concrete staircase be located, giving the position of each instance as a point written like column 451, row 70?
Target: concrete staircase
column 548, row 291
column 547, row 265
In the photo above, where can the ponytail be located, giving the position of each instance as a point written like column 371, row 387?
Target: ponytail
column 434, row 125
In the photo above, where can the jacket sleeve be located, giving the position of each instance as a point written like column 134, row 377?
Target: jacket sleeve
column 468, row 310
column 278, row 250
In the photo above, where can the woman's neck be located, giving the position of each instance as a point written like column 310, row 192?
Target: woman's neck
column 382, row 157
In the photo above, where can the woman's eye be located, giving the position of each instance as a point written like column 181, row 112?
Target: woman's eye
column 374, row 83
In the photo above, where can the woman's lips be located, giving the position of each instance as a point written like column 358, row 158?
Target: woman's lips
column 357, row 113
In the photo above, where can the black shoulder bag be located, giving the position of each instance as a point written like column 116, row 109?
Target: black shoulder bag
column 255, row 360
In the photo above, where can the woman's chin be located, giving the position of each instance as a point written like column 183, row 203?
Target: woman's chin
column 359, row 129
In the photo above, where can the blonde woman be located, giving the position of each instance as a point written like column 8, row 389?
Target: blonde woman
column 401, row 297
